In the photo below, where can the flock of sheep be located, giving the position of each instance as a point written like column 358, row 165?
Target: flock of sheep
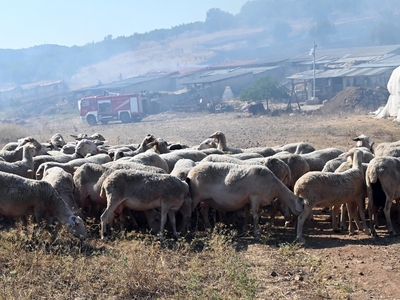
column 65, row 183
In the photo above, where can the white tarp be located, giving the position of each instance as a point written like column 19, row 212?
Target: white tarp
column 392, row 107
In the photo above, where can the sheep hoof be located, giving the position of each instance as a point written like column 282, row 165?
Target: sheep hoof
column 392, row 233
column 351, row 233
column 300, row 240
column 337, row 230
column 257, row 237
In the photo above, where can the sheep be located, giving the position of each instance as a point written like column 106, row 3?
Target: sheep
column 318, row 158
column 363, row 141
column 206, row 144
column 21, row 197
column 247, row 155
column 331, row 189
column 222, row 145
column 143, row 147
column 140, row 190
column 230, row 159
column 23, row 167
column 383, row 186
column 57, row 141
column 71, row 165
column 149, row 158
column 297, row 164
column 229, row 187
column 333, row 164
column 295, row 148
column 89, row 178
column 16, row 155
column 40, row 148
column 182, row 168
column 172, row 157
column 64, row 185
column 379, row 149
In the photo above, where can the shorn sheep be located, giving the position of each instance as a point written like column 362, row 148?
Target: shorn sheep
column 230, row 187
column 383, row 186
column 141, row 191
column 21, row 197
column 331, row 189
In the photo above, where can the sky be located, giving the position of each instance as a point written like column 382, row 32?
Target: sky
column 28, row 23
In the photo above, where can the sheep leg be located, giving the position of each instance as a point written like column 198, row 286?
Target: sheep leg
column 371, row 211
column 386, row 210
column 164, row 212
column 335, row 213
column 246, row 217
column 300, row 222
column 204, row 213
column 343, row 212
column 361, row 205
column 255, row 207
column 172, row 220
column 107, row 216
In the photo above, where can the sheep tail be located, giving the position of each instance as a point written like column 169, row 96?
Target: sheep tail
column 372, row 176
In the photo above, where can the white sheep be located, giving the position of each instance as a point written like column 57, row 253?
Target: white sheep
column 172, row 157
column 142, row 191
column 22, row 167
column 230, row 187
column 64, row 185
column 318, row 158
column 220, row 139
column 331, row 189
column 21, row 197
column 383, row 186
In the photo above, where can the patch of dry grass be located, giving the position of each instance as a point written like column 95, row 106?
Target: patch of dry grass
column 137, row 268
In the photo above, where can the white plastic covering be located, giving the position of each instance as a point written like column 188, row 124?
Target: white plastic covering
column 227, row 93
column 392, row 107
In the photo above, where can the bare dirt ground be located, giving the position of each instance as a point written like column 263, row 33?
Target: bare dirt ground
column 330, row 265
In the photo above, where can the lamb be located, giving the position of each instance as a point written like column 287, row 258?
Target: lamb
column 229, row 187
column 23, row 167
column 139, row 190
column 331, row 189
column 21, row 197
column 63, row 183
column 383, row 186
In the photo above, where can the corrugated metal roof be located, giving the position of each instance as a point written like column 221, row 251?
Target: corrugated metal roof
column 352, row 72
column 348, row 53
column 217, row 75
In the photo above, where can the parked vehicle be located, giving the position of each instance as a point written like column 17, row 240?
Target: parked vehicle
column 110, row 107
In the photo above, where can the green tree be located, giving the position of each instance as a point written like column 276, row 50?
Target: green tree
column 218, row 19
column 265, row 89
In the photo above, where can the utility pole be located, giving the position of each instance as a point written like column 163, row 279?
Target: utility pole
column 313, row 53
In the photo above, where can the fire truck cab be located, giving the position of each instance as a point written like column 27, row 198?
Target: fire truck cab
column 110, row 107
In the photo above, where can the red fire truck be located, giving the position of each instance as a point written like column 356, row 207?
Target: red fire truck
column 110, row 107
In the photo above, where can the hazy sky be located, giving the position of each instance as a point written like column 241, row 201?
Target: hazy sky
column 27, row 23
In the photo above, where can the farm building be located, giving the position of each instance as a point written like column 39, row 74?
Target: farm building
column 336, row 69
